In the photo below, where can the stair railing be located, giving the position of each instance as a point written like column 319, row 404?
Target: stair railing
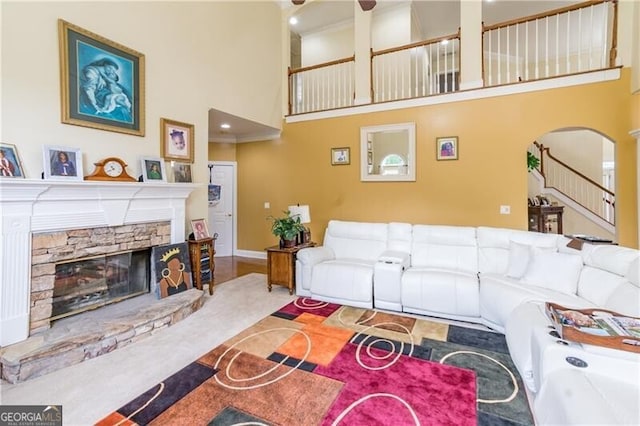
column 584, row 191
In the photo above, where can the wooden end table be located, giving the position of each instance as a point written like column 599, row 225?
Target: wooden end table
column 281, row 265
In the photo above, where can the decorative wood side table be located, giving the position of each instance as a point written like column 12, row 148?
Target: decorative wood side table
column 202, row 262
column 281, row 266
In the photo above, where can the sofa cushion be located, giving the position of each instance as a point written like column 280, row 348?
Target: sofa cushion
column 597, row 285
column 493, row 246
column 625, row 299
column 555, row 271
column 499, row 295
column 519, row 255
column 356, row 240
column 343, row 279
column 612, row 258
column 400, row 236
column 452, row 248
column 441, row 291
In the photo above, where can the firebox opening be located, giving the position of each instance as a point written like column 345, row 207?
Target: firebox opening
column 90, row 283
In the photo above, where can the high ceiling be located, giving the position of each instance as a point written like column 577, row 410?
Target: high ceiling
column 435, row 17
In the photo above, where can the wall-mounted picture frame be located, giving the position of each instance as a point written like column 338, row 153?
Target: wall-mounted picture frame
column 10, row 164
column 102, row 82
column 200, row 229
column 447, row 148
column 153, row 169
column 176, row 140
column 181, row 172
column 340, row 156
column 62, row 163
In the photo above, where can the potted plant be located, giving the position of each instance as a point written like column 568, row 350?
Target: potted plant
column 532, row 161
column 287, row 228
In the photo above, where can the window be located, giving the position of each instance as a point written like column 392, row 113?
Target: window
column 393, row 164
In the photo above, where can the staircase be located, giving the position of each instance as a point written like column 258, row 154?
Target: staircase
column 576, row 191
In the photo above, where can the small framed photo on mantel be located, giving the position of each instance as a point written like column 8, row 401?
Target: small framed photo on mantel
column 153, row 169
column 10, row 164
column 62, row 163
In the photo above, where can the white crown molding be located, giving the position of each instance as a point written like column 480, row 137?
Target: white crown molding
column 635, row 133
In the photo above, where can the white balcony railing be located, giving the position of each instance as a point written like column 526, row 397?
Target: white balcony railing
column 574, row 39
column 560, row 42
column 320, row 87
column 415, row 70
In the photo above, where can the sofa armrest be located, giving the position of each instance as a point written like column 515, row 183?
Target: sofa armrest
column 395, row 257
column 313, row 255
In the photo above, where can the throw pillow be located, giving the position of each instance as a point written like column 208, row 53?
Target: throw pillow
column 553, row 270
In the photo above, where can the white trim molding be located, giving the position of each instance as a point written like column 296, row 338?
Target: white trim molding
column 32, row 206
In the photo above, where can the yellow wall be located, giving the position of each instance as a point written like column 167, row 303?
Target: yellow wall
column 493, row 135
column 185, row 45
column 635, row 112
column 222, row 151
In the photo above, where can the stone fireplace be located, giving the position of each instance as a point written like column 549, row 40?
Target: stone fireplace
column 80, row 269
column 47, row 222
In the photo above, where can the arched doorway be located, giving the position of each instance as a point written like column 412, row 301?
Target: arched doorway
column 577, row 171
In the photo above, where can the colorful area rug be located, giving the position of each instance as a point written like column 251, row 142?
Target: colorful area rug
column 316, row 363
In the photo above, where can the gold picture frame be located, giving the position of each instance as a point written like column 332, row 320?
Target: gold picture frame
column 340, row 156
column 101, row 82
column 447, row 148
column 176, row 140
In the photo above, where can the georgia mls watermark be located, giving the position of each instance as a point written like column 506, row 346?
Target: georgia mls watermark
column 30, row 415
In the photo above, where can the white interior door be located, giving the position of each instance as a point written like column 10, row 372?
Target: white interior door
column 222, row 205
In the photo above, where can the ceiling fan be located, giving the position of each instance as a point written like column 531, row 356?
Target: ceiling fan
column 364, row 4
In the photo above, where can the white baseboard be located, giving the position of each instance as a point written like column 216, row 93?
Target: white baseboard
column 251, row 253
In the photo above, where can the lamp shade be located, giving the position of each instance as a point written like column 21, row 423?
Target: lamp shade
column 302, row 212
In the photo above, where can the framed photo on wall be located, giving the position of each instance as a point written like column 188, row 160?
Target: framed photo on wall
column 176, row 140
column 153, row 169
column 447, row 148
column 102, row 82
column 62, row 163
column 10, row 164
column 340, row 156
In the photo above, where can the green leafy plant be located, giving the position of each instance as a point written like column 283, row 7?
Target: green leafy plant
column 286, row 227
column 532, row 161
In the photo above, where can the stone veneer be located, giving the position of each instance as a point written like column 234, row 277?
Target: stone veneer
column 47, row 249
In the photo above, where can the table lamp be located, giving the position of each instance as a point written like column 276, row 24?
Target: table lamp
column 305, row 217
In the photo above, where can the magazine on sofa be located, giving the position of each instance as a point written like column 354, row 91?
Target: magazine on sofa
column 596, row 327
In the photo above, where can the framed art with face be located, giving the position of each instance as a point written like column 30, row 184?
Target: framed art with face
column 176, row 140
column 102, row 82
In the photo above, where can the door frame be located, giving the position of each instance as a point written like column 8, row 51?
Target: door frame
column 234, row 217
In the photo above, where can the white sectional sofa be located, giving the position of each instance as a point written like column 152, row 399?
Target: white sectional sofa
column 500, row 278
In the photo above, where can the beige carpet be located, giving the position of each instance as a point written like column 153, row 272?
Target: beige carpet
column 80, row 389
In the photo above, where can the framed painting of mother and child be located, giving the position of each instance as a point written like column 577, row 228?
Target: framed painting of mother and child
column 102, row 82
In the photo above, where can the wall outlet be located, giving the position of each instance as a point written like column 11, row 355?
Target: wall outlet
column 267, row 205
column 505, row 209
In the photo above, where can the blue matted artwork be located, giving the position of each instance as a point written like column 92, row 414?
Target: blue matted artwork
column 102, row 82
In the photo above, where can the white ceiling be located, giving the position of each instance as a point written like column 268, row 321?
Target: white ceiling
column 435, row 17
column 241, row 130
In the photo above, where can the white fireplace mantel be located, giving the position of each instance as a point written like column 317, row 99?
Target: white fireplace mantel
column 31, row 206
